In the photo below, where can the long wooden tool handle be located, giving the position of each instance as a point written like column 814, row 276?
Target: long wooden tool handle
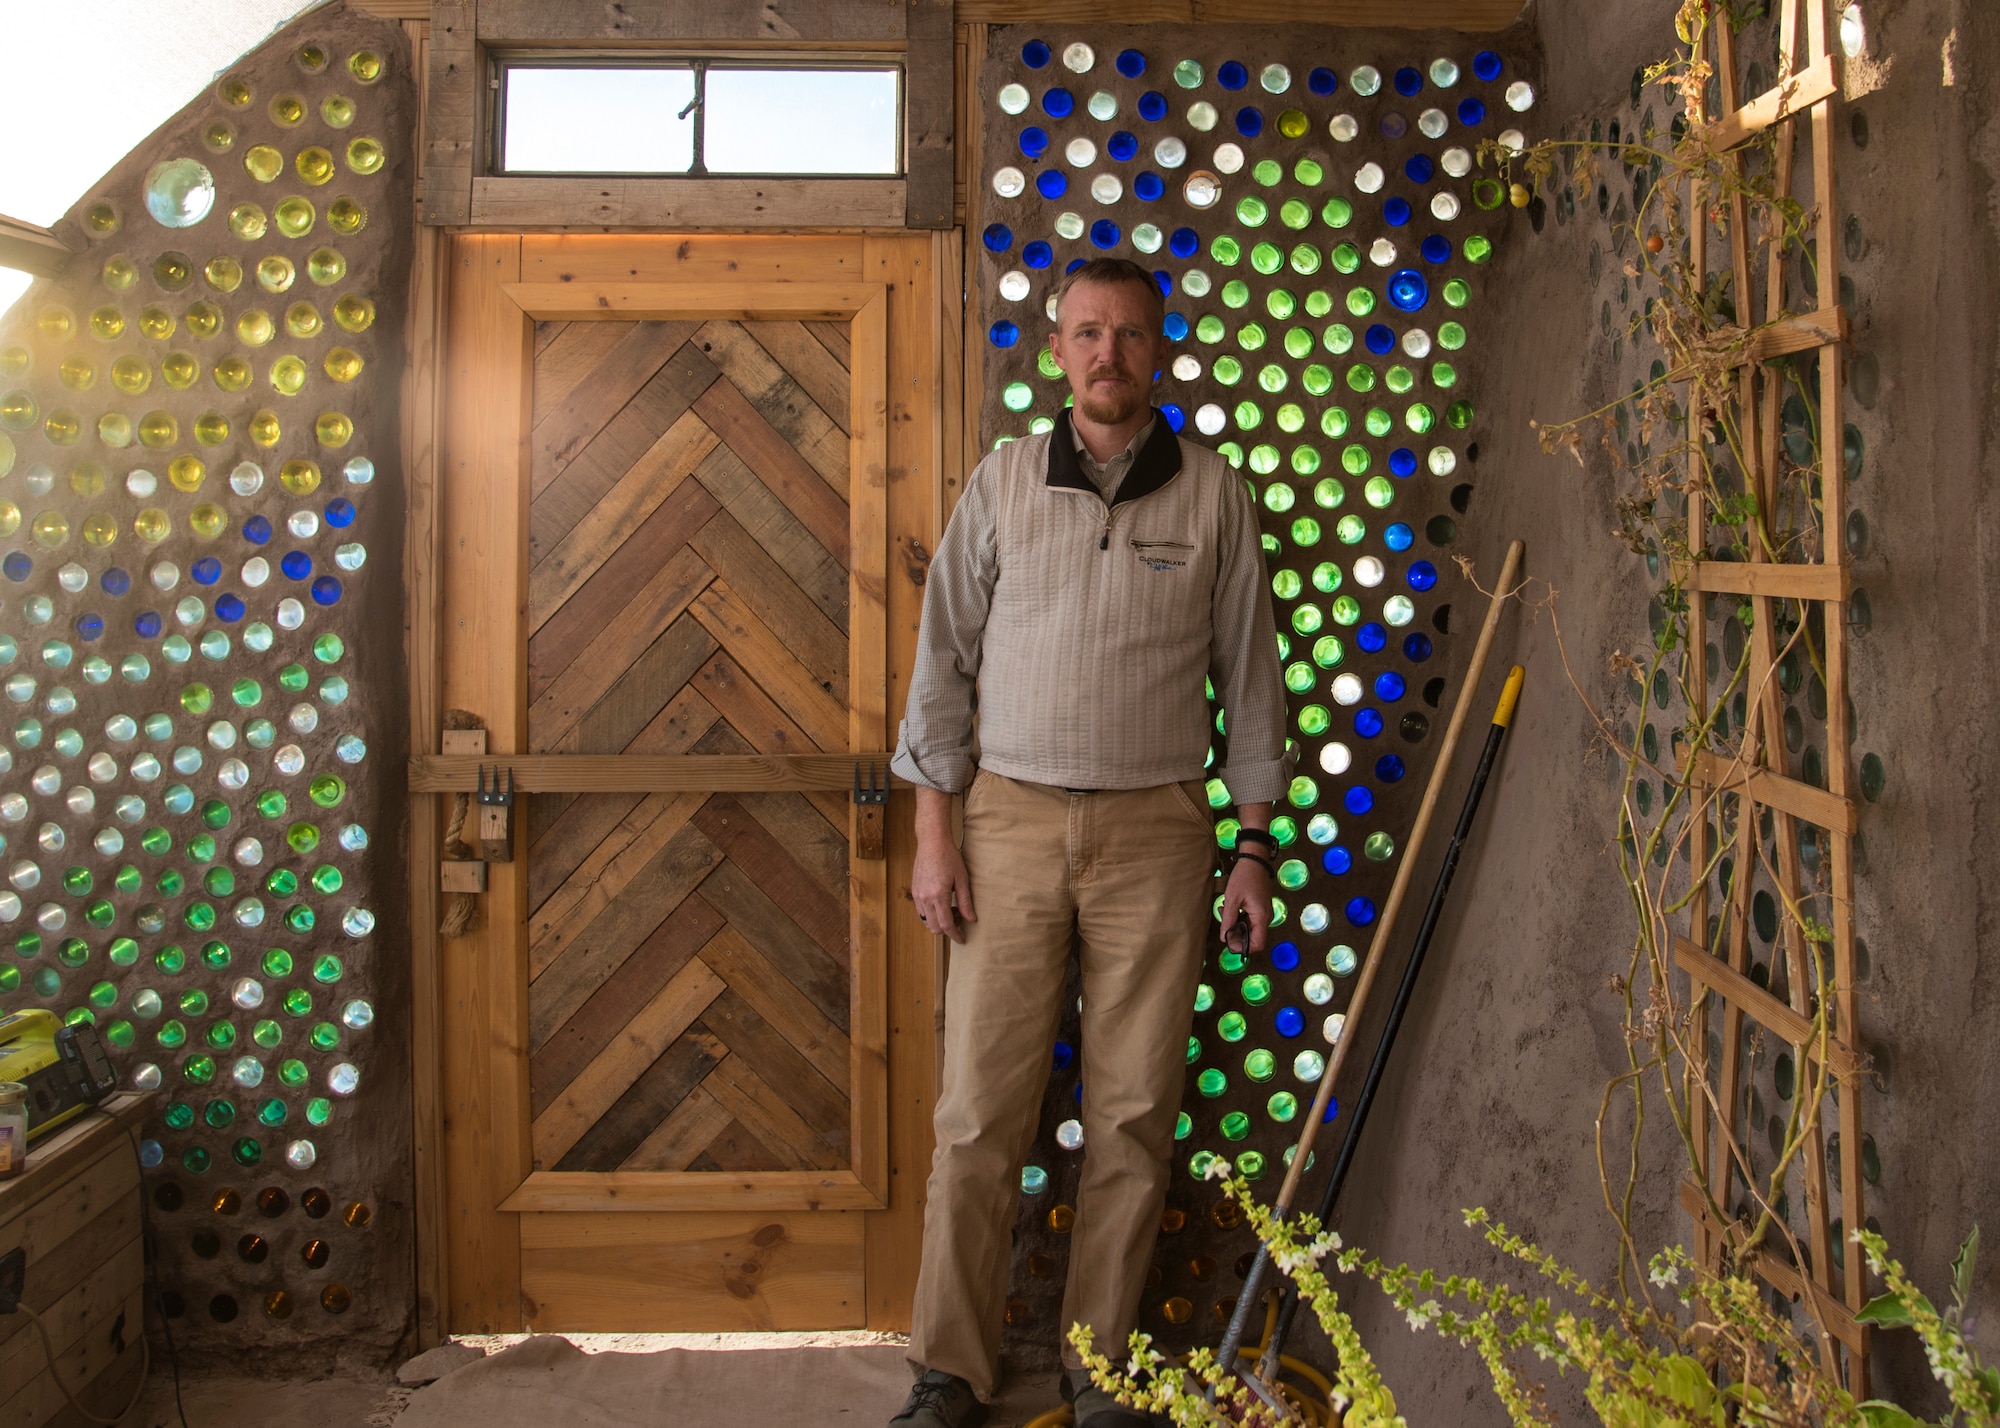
column 1385, row 926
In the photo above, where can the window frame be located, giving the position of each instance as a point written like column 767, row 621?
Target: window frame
column 502, row 62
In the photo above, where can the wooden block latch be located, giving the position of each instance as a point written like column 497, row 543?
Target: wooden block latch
column 462, row 875
column 496, row 816
column 465, row 742
column 871, row 806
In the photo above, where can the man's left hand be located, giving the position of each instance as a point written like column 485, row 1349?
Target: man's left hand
column 1248, row 894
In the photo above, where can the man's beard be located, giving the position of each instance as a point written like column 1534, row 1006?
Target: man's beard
column 1110, row 411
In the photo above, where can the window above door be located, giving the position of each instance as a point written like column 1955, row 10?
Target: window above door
column 667, row 116
column 656, row 114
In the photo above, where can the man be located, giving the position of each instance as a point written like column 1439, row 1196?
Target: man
column 1088, row 582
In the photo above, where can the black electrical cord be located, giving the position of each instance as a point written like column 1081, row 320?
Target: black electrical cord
column 150, row 1254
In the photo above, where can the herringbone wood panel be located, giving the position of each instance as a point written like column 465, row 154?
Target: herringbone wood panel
column 688, row 548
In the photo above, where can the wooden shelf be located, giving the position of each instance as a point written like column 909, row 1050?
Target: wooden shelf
column 76, row 1211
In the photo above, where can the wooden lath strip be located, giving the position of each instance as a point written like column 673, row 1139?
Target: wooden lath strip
column 745, row 842
column 1792, row 95
column 1801, row 961
column 566, row 353
column 1786, row 335
column 1763, row 780
column 1760, row 1005
column 1781, row 1276
column 1774, row 790
column 1804, row 581
column 1694, row 670
column 773, row 996
column 630, row 773
column 1839, row 736
column 747, row 301
column 763, row 728
column 567, row 828
column 562, row 499
column 654, row 1092
column 755, row 1043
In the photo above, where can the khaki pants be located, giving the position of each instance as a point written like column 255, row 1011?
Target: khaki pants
column 1130, row 873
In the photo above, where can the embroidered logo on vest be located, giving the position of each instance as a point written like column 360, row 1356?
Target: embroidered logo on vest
column 1163, row 554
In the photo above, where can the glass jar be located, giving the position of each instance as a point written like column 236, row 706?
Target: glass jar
column 13, row 1129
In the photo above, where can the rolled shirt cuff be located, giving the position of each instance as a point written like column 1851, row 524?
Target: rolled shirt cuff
column 947, row 773
column 1257, row 781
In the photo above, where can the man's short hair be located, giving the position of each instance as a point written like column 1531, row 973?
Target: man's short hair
column 1107, row 272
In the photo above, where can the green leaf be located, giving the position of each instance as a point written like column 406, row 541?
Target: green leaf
column 1887, row 1311
column 1989, row 1384
column 1880, row 1413
column 1683, row 1381
column 1961, row 1267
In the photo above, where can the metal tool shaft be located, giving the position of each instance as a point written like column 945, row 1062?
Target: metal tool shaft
column 1358, row 1119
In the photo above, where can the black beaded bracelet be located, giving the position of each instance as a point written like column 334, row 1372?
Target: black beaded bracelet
column 1264, row 863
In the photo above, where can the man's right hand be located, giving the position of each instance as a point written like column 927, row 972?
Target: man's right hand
column 940, row 886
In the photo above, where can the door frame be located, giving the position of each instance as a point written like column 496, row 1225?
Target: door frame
column 468, row 556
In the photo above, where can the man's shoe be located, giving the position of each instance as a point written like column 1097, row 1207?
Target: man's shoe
column 940, row 1400
column 1097, row 1409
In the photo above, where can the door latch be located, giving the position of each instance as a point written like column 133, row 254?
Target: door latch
column 496, row 816
column 871, row 806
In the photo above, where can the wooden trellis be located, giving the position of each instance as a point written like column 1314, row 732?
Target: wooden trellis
column 1759, row 779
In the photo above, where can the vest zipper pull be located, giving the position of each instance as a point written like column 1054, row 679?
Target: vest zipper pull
column 1104, row 541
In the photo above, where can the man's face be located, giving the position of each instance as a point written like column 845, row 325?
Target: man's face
column 1108, row 341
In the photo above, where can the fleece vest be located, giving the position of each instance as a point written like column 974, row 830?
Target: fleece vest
column 1097, row 646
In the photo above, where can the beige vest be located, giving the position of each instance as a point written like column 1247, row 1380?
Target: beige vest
column 1097, row 646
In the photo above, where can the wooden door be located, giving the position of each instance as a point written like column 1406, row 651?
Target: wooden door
column 674, row 1099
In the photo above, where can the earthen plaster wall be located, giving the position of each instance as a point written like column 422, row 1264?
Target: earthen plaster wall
column 1514, row 1035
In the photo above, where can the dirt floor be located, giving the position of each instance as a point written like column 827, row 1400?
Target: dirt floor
column 594, row 1381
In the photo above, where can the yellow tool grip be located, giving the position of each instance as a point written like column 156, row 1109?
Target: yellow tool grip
column 1503, row 714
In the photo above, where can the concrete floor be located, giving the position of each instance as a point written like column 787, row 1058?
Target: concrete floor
column 595, row 1381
